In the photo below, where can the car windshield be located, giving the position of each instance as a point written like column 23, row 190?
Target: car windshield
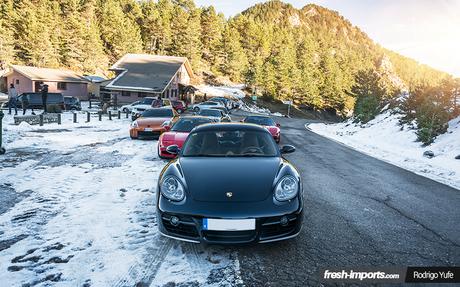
column 230, row 143
column 148, row 101
column 263, row 121
column 211, row 113
column 185, row 125
column 158, row 113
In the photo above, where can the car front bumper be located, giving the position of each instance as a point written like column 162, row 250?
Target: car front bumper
column 141, row 133
column 268, row 229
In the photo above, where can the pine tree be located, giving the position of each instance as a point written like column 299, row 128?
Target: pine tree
column 72, row 35
column 193, row 33
column 36, row 33
column 6, row 35
column 93, row 58
column 119, row 33
column 232, row 58
column 211, row 35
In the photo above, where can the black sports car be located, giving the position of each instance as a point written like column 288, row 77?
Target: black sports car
column 228, row 185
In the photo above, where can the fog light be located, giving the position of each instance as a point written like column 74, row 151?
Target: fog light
column 174, row 220
column 284, row 221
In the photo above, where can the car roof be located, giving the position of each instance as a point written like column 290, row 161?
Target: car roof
column 195, row 117
column 259, row 116
column 229, row 127
column 161, row 108
column 210, row 109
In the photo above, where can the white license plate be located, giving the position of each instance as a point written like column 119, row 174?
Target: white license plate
column 229, row 224
column 148, row 130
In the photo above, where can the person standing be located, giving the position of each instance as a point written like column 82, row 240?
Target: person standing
column 44, row 97
column 12, row 100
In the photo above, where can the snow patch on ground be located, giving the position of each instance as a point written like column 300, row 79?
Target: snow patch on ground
column 384, row 138
column 87, row 215
column 252, row 108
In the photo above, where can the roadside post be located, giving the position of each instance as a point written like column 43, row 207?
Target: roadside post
column 88, row 117
column 119, row 114
column 2, row 149
column 40, row 117
column 288, row 103
column 74, row 118
column 59, row 119
column 127, row 114
column 100, row 116
column 110, row 115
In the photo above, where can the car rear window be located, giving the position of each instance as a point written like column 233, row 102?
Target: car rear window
column 158, row 113
column 263, row 121
column 211, row 113
column 186, row 125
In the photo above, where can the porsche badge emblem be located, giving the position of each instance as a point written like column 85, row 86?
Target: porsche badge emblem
column 229, row 194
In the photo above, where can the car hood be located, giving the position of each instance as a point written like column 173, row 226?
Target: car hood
column 151, row 122
column 248, row 179
column 174, row 138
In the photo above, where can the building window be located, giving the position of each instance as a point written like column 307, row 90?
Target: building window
column 17, row 81
column 125, row 93
column 62, row 86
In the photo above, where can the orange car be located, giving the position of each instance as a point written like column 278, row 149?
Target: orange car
column 153, row 122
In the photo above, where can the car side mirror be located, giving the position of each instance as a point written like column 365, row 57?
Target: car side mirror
column 287, row 149
column 278, row 125
column 173, row 149
column 167, row 128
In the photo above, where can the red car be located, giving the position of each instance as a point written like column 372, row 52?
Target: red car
column 178, row 133
column 266, row 122
column 179, row 106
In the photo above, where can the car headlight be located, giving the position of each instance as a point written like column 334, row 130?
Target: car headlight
column 287, row 188
column 172, row 188
column 134, row 124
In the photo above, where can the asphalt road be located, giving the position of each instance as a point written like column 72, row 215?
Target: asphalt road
column 359, row 211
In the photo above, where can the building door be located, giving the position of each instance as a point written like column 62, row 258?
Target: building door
column 37, row 86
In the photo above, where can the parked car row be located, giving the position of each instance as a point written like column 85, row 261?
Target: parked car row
column 154, row 122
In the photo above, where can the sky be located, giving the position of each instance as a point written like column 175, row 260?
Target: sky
column 425, row 30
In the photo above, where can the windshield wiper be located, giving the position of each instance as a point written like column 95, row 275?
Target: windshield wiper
column 203, row 155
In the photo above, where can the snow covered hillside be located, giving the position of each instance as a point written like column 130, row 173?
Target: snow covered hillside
column 383, row 138
column 223, row 91
column 238, row 93
column 77, row 208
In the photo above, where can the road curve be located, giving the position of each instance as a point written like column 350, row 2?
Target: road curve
column 359, row 211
